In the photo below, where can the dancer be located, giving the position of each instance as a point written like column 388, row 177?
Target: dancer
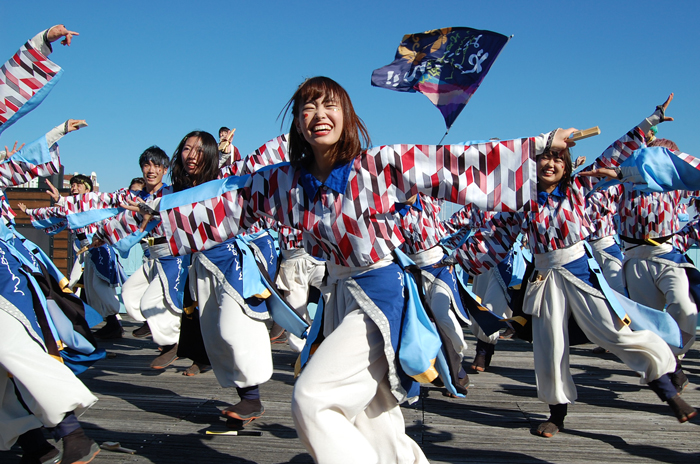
column 154, row 294
column 345, row 402
column 564, row 286
column 422, row 231
column 29, row 342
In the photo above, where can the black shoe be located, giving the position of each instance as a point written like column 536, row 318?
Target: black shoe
column 53, row 456
column 548, row 429
column 679, row 380
column 142, row 332
column 167, row 358
column 78, row 448
column 277, row 332
column 246, row 409
column 682, row 410
column 479, row 364
column 196, row 368
column 109, row 333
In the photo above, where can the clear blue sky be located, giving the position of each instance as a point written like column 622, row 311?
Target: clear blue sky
column 148, row 72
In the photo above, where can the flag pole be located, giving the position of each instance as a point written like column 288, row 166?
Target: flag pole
column 443, row 137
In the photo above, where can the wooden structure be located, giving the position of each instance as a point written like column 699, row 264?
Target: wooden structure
column 58, row 247
column 163, row 415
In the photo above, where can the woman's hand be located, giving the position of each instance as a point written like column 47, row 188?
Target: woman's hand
column 75, row 124
column 14, row 150
column 53, row 191
column 664, row 107
column 59, row 31
column 561, row 139
column 601, row 172
column 22, row 207
column 143, row 209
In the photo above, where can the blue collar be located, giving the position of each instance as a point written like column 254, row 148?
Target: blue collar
column 542, row 196
column 402, row 208
column 337, row 181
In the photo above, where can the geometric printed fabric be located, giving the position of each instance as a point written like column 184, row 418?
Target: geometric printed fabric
column 21, row 78
column 559, row 223
column 356, row 227
column 422, row 229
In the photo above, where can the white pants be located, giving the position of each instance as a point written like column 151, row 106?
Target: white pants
column 298, row 272
column 494, row 298
column 100, row 295
column 238, row 346
column 342, row 405
column 48, row 388
column 609, row 264
column 144, row 300
column 551, row 299
column 659, row 284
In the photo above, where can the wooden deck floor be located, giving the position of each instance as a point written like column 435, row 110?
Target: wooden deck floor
column 163, row 415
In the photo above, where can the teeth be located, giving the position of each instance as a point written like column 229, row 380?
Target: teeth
column 322, row 127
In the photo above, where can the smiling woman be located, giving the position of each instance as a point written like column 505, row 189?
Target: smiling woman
column 554, row 168
column 196, row 160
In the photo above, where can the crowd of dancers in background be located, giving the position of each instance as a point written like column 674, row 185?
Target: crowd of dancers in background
column 237, row 247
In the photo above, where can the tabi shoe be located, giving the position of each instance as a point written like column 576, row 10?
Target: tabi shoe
column 277, row 333
column 78, row 448
column 679, row 380
column 196, row 368
column 109, row 332
column 464, row 382
column 245, row 409
column 555, row 423
column 142, row 332
column 548, row 429
column 49, row 456
column 167, row 358
column 599, row 350
column 507, row 334
column 683, row 411
column 479, row 364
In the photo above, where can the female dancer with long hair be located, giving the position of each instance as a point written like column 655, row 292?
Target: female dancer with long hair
column 345, row 403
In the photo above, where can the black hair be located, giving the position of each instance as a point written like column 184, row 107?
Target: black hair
column 155, row 155
column 137, row 180
column 82, row 179
column 224, row 128
column 209, row 169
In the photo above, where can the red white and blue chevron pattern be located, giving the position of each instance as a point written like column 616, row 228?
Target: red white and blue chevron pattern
column 21, row 77
column 356, row 227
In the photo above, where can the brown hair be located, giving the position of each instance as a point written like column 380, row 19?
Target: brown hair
column 666, row 143
column 564, row 155
column 353, row 136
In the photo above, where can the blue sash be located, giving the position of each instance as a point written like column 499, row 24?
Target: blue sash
column 633, row 314
column 107, row 265
column 444, row 275
column 175, row 270
column 488, row 321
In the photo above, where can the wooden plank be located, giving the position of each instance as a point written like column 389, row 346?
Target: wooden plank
column 163, row 415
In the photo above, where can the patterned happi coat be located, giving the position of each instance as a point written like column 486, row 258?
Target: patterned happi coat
column 461, row 223
column 348, row 218
column 20, row 169
column 601, row 208
column 560, row 219
column 420, row 224
column 26, row 79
